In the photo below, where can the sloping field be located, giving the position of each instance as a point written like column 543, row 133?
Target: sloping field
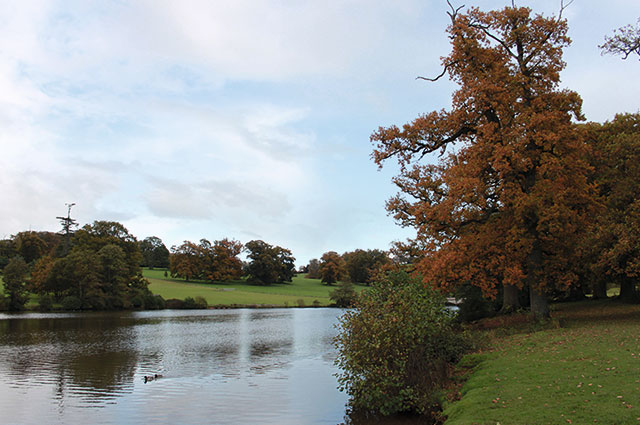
column 301, row 291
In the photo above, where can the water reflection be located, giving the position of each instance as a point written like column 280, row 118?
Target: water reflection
column 240, row 366
column 223, row 367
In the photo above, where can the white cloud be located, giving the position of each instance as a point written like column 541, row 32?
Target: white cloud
column 205, row 118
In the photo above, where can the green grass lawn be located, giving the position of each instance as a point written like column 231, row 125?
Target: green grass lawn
column 241, row 292
column 585, row 370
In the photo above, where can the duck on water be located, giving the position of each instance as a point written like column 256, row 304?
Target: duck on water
column 149, row 378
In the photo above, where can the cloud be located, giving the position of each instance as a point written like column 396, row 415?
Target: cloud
column 215, row 200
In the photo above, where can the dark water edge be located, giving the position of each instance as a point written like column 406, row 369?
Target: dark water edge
column 246, row 366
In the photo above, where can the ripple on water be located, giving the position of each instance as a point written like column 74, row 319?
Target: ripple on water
column 224, row 367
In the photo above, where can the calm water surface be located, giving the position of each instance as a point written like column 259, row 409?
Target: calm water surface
column 217, row 366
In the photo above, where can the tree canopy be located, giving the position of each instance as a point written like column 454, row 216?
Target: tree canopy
column 332, row 267
column 625, row 41
column 217, row 262
column 154, row 252
column 509, row 193
column 361, row 265
column 268, row 263
column 100, row 271
column 612, row 244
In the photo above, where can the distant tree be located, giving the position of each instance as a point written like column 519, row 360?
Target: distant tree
column 154, row 252
column 7, row 251
column 40, row 273
column 313, row 269
column 113, row 271
column 68, row 226
column 624, row 41
column 332, row 267
column 361, row 265
column 14, row 276
column 185, row 261
column 100, row 271
column 29, row 246
column 94, row 236
column 269, row 264
column 222, row 263
column 344, row 295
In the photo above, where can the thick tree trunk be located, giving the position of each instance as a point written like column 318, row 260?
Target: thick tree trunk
column 539, row 304
column 510, row 299
column 628, row 290
column 600, row 290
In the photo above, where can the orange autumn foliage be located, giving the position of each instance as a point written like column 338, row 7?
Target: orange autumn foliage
column 508, row 195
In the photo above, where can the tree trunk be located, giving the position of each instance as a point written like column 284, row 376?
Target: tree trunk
column 539, row 304
column 628, row 290
column 510, row 299
column 600, row 290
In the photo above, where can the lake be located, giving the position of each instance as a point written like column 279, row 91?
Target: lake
column 246, row 366
column 218, row 366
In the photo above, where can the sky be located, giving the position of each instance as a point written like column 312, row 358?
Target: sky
column 244, row 119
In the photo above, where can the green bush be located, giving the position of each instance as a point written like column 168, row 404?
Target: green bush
column 189, row 303
column 201, row 302
column 344, row 295
column 71, row 303
column 395, row 346
column 153, row 302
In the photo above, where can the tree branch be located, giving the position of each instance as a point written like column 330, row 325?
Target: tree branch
column 444, row 71
column 454, row 12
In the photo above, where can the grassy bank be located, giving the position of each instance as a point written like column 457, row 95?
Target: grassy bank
column 301, row 291
column 584, row 369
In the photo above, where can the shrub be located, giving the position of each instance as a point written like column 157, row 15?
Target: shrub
column 201, row 302
column 300, row 302
column 344, row 295
column 71, row 303
column 395, row 346
column 174, row 304
column 153, row 302
column 189, row 303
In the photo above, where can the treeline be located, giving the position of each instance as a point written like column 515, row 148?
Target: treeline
column 219, row 261
column 359, row 266
column 94, row 268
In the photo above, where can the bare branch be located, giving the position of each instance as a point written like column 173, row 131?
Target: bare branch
column 454, row 12
column 444, row 71
column 563, row 7
column 624, row 41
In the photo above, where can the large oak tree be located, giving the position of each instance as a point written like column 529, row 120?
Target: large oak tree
column 508, row 195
